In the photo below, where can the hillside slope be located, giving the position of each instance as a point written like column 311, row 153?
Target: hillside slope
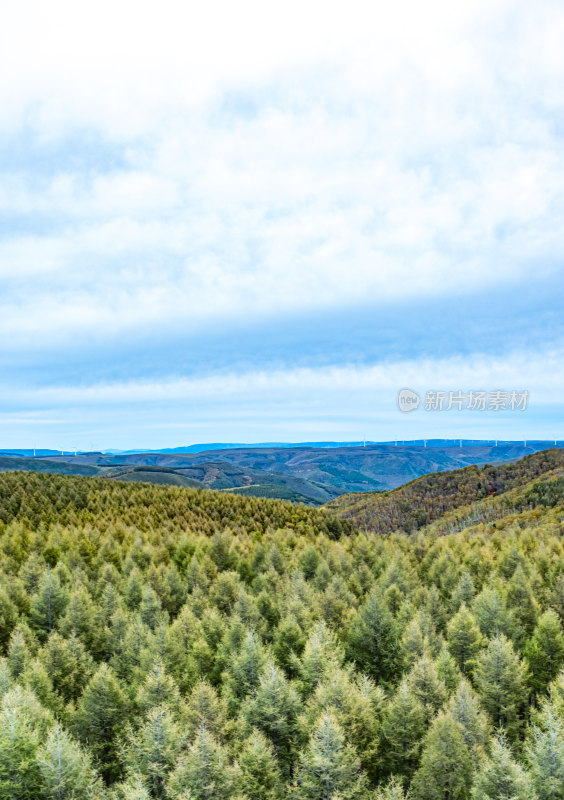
column 427, row 498
column 204, row 475
column 310, row 474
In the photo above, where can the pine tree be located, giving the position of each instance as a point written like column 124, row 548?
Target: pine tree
column 501, row 682
column 204, row 771
column 491, row 614
column 20, row 649
column 8, row 617
column 133, row 590
column 447, row 670
column 373, row 641
column 150, row 608
column 274, row 711
column 322, row 654
column 419, row 638
column 242, row 677
column 260, row 773
column 464, row 639
column 206, row 708
column 356, row 703
column 403, row 727
column 500, row 777
column 521, row 600
column 22, row 723
column 392, row 790
column 179, row 638
column 463, row 592
column 66, row 769
column 37, row 679
column 545, row 754
column 556, row 694
column 424, row 682
column 157, row 689
column 545, row 651
column 134, row 788
column 68, row 665
column 329, row 768
column 100, row 718
column 464, row 707
column 48, row 604
column 446, row 768
column 80, row 619
column 289, row 642
column 152, row 749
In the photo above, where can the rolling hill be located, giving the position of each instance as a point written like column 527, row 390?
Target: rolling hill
column 312, row 475
column 428, row 498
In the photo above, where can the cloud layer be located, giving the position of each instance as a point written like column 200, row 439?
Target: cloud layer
column 172, row 175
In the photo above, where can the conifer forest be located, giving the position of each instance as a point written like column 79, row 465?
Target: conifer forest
column 162, row 643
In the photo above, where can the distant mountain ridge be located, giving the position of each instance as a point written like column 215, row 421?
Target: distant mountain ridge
column 312, row 475
column 537, row 444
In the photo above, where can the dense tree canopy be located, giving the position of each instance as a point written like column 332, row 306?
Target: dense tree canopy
column 158, row 643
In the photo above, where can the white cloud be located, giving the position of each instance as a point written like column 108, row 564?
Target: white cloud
column 307, row 156
column 335, row 402
column 537, row 371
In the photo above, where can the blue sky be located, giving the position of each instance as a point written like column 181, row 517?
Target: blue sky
column 254, row 223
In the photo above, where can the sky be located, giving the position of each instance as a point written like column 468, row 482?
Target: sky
column 258, row 222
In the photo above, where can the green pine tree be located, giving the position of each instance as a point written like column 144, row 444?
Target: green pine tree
column 157, row 689
column 446, row 768
column 373, row 640
column 68, row 665
column 21, row 648
column 242, row 676
column 499, row 777
column 463, row 592
column 464, row 639
column 22, row 724
column 492, row 615
column 8, row 617
column 274, row 710
column 447, row 669
column 99, row 719
column 501, row 682
column 545, row 651
column 545, row 754
column 206, row 708
column 424, row 682
column 357, row 705
column 521, row 600
column 403, row 728
column 66, row 769
column 329, row 768
column 464, row 707
column 204, row 771
column 48, row 604
column 260, row 773
column 392, row 790
column 151, row 749
column 322, row 653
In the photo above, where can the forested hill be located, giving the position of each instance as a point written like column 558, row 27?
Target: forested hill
column 40, row 500
column 426, row 499
column 311, row 475
column 158, row 643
